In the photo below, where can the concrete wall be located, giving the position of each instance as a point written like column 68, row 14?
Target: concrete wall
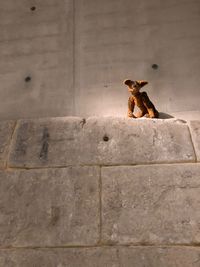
column 78, row 52
column 99, row 192
column 38, row 44
column 122, row 39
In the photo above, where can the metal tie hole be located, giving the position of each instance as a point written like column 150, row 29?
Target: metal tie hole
column 155, row 66
column 105, row 138
column 33, row 8
column 27, row 79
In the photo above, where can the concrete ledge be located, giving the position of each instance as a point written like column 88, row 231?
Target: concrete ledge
column 156, row 204
column 54, row 207
column 99, row 141
column 102, row 257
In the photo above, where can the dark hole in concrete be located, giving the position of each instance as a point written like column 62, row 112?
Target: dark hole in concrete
column 155, row 66
column 105, row 138
column 27, row 79
column 33, row 8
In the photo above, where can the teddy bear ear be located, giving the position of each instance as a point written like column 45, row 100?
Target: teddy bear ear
column 127, row 82
column 141, row 83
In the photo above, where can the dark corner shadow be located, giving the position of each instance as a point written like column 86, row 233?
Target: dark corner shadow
column 165, row 116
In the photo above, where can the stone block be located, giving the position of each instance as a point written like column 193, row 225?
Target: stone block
column 159, row 257
column 49, row 207
column 47, row 142
column 100, row 141
column 157, row 204
column 102, row 257
column 6, row 130
column 195, row 131
column 71, row 257
column 122, row 141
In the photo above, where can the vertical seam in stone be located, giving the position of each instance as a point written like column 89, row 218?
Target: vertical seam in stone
column 100, row 206
column 118, row 257
column 10, row 145
column 193, row 146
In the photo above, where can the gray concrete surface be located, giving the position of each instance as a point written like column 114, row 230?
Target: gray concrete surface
column 78, row 54
column 187, row 115
column 71, row 141
column 122, row 39
column 38, row 44
column 41, row 208
column 151, row 204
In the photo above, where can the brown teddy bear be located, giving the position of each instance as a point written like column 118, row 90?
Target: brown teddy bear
column 141, row 100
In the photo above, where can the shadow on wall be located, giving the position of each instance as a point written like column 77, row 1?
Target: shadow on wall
column 163, row 115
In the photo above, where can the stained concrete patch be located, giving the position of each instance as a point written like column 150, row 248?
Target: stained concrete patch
column 47, row 142
column 102, row 257
column 6, row 130
column 51, row 207
column 100, row 141
column 151, row 204
column 195, row 131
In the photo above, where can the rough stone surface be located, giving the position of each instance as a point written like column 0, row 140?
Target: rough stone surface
column 47, row 142
column 6, row 130
column 100, row 141
column 156, row 204
column 102, row 257
column 90, row 257
column 159, row 257
column 51, row 207
column 195, row 131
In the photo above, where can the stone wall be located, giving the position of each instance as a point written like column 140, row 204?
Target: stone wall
column 99, row 192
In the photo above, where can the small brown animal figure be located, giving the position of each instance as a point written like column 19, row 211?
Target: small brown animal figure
column 141, row 100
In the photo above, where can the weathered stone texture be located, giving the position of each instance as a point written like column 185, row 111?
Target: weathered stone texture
column 102, row 257
column 51, row 207
column 71, row 141
column 156, row 204
column 160, row 257
column 195, row 131
column 6, row 130
column 60, row 258
column 47, row 142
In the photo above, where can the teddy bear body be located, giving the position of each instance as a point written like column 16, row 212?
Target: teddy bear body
column 141, row 100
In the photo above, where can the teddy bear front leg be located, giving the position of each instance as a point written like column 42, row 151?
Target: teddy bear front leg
column 153, row 113
column 131, row 105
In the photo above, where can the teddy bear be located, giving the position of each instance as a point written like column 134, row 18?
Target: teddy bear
column 141, row 100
